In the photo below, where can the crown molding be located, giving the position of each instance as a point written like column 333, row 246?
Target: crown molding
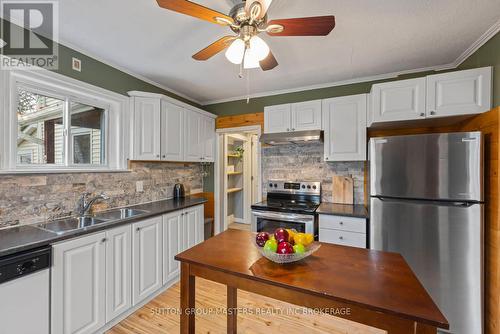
column 492, row 31
column 122, row 69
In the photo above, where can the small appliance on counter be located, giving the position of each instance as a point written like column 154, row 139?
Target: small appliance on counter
column 179, row 191
column 289, row 204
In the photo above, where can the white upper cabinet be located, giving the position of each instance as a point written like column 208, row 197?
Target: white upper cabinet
column 146, row 129
column 306, row 116
column 193, row 147
column 147, row 261
column 398, row 100
column 344, row 121
column 278, row 118
column 78, row 285
column 172, row 132
column 208, row 139
column 459, row 93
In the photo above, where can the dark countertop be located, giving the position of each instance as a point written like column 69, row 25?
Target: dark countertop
column 22, row 238
column 349, row 210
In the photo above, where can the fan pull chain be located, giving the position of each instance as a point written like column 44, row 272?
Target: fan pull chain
column 248, row 86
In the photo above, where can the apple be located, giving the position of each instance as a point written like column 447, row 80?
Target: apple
column 299, row 249
column 271, row 245
column 261, row 238
column 281, row 235
column 285, row 248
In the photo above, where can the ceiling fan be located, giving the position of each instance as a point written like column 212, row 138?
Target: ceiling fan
column 247, row 20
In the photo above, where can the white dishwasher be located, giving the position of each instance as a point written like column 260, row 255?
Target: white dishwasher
column 24, row 292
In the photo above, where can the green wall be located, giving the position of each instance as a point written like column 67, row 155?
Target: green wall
column 487, row 55
column 99, row 74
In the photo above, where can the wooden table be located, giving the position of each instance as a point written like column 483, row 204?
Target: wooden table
column 370, row 287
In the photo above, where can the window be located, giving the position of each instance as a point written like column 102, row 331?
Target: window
column 44, row 124
column 52, row 123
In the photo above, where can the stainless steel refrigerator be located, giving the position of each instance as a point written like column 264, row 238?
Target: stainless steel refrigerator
column 426, row 202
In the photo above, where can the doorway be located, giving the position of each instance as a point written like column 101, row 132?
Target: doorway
column 237, row 177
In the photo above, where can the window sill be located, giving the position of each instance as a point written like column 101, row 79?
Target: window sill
column 61, row 171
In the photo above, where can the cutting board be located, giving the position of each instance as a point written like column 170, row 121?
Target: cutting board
column 343, row 189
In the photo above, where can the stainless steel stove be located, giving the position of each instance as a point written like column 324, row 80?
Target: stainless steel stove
column 289, row 204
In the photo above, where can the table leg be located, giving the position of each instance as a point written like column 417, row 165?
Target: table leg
column 232, row 307
column 187, row 300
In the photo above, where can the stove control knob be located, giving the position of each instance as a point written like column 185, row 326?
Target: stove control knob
column 303, row 186
column 314, row 187
column 270, row 185
column 275, row 185
column 308, row 187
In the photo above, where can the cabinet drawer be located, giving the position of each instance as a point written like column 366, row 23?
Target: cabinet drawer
column 344, row 238
column 343, row 223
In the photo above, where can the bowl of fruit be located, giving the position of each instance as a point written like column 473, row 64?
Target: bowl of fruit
column 286, row 245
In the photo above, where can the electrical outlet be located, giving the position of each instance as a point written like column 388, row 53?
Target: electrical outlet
column 76, row 64
column 139, row 186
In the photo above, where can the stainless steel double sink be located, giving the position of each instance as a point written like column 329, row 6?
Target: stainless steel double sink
column 65, row 225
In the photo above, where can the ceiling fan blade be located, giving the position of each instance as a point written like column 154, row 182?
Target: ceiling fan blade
column 214, row 48
column 269, row 62
column 304, row 26
column 195, row 10
column 264, row 4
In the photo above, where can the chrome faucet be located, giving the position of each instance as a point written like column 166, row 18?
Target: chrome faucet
column 85, row 204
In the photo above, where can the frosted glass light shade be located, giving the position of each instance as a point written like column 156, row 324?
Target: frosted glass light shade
column 259, row 48
column 251, row 60
column 235, row 51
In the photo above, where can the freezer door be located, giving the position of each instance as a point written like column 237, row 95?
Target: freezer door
column 443, row 166
column 443, row 246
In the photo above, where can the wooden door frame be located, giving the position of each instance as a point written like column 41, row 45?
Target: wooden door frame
column 256, row 129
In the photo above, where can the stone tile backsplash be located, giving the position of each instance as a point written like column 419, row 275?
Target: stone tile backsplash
column 305, row 162
column 38, row 197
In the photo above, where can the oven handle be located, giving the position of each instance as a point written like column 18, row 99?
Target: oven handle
column 291, row 217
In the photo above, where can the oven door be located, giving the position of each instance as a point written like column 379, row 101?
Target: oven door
column 269, row 221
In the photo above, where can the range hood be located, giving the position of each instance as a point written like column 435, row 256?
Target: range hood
column 284, row 138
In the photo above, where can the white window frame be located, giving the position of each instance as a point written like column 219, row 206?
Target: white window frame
column 55, row 85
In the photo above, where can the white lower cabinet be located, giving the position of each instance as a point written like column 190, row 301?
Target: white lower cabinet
column 340, row 230
column 173, row 244
column 118, row 271
column 78, row 285
column 97, row 278
column 147, row 248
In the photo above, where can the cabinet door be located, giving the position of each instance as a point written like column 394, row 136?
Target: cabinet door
column 146, row 258
column 78, row 285
column 345, row 128
column 193, row 225
column 172, row 132
column 172, row 245
column 146, row 128
column 459, row 93
column 118, row 271
column 306, row 116
column 200, row 224
column 398, row 100
column 193, row 147
column 277, row 118
column 208, row 130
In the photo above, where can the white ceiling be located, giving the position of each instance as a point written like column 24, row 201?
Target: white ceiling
column 371, row 38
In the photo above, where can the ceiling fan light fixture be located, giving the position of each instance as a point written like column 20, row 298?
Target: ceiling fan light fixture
column 259, row 48
column 250, row 60
column 235, row 51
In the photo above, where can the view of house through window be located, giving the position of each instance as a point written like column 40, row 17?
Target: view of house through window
column 87, row 126
column 41, row 131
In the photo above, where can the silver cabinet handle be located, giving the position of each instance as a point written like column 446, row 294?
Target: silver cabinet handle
column 157, row 155
column 164, row 156
column 138, row 229
column 293, row 129
column 422, row 114
column 433, row 112
column 341, row 223
column 104, row 240
column 326, row 158
column 341, row 237
column 287, row 129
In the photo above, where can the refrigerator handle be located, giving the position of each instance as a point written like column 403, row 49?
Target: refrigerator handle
column 430, row 202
